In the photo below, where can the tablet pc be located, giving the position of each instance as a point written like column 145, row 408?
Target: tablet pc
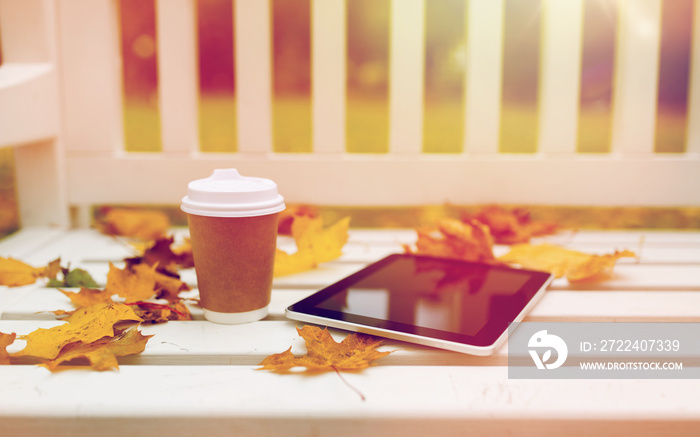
column 445, row 303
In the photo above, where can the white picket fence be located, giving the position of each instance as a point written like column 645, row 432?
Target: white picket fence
column 61, row 108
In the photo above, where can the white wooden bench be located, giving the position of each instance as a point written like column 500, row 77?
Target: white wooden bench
column 60, row 109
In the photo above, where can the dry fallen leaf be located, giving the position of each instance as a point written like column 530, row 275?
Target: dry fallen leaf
column 511, row 226
column 15, row 273
column 152, row 312
column 133, row 283
column 134, row 223
column 454, row 239
column 315, row 245
column 284, row 226
column 168, row 286
column 5, row 340
column 86, row 325
column 102, row 354
column 355, row 352
column 87, row 296
column 574, row 265
column 286, row 264
column 162, row 253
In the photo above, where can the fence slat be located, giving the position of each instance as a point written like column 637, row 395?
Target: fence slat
column 177, row 75
column 693, row 145
column 636, row 76
column 483, row 77
column 91, row 76
column 253, row 75
column 28, row 102
column 328, row 64
column 27, row 22
column 560, row 75
column 406, row 60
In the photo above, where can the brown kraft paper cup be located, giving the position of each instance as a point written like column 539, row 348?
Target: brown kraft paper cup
column 234, row 261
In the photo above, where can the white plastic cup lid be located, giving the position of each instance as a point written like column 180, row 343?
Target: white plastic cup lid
column 228, row 194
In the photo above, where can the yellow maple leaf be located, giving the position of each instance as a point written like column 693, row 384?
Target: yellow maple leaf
column 286, row 264
column 135, row 283
column 135, row 223
column 287, row 217
column 450, row 238
column 355, row 352
column 86, row 325
column 5, row 340
column 315, row 245
column 102, row 354
column 574, row 265
column 15, row 273
column 87, row 296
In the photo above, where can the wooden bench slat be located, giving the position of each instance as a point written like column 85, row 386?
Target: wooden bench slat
column 395, row 393
column 364, row 246
column 557, row 305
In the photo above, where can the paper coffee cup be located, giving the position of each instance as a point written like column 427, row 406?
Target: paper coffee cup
column 233, row 231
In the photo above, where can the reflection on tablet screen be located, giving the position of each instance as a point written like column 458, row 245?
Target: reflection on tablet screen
column 432, row 294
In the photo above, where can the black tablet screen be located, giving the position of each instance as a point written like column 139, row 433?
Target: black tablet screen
column 450, row 299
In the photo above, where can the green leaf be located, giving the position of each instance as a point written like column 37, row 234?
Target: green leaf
column 74, row 278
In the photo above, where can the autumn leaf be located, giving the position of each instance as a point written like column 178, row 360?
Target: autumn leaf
column 5, row 340
column 511, row 226
column 574, row 265
column 355, row 352
column 325, row 244
column 284, row 226
column 88, row 296
column 152, row 312
column 451, row 238
column 102, row 354
column 86, row 325
column 15, row 273
column 168, row 286
column 134, row 223
column 52, row 270
column 315, row 245
column 162, row 253
column 133, row 283
column 72, row 278
column 286, row 264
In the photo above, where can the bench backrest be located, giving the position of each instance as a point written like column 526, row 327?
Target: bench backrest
column 61, row 107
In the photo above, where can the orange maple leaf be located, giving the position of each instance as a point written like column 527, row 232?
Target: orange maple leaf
column 574, row 265
column 86, row 325
column 315, row 245
column 135, row 223
column 511, row 226
column 355, row 352
column 133, row 283
column 451, row 238
column 15, row 273
column 102, row 354
column 5, row 340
